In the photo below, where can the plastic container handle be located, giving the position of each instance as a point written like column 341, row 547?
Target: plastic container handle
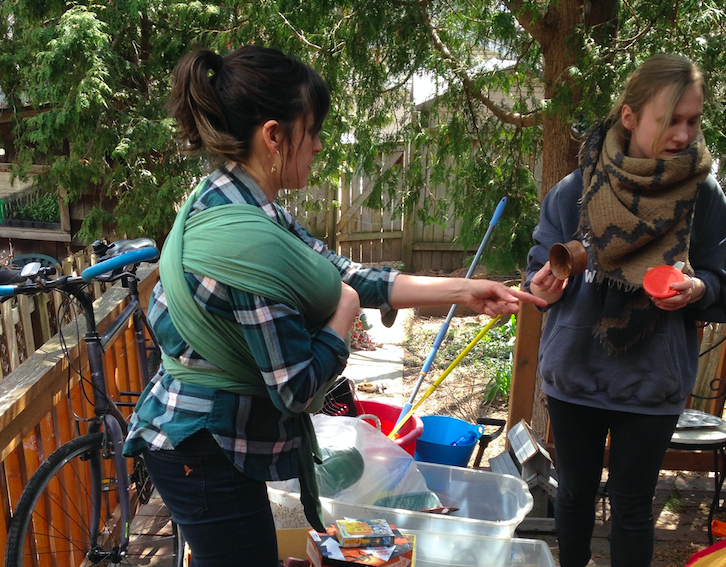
column 133, row 257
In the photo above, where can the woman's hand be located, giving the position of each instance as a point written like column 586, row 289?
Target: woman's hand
column 348, row 308
column 544, row 284
column 689, row 291
column 494, row 298
column 483, row 296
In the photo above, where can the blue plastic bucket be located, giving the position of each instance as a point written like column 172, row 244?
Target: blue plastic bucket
column 435, row 443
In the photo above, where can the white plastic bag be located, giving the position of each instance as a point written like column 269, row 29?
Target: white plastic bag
column 388, row 470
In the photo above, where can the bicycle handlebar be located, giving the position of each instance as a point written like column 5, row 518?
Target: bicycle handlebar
column 133, row 257
column 141, row 250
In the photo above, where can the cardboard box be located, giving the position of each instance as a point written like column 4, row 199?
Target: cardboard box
column 292, row 543
column 367, row 532
column 324, row 550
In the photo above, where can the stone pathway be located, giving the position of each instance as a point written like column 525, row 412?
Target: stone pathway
column 382, row 367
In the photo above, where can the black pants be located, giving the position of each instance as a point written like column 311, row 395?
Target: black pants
column 637, row 446
column 224, row 515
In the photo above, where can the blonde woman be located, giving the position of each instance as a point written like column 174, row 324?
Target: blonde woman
column 614, row 360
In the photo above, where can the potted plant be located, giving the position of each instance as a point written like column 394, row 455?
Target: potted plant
column 39, row 210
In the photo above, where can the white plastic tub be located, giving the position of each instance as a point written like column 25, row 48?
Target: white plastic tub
column 450, row 550
column 490, row 504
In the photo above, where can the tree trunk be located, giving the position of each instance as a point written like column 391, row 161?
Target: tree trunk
column 558, row 157
column 562, row 49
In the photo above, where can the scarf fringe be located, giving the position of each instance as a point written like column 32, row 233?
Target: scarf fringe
column 613, row 350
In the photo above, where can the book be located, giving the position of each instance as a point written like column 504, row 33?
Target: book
column 324, row 550
column 364, row 533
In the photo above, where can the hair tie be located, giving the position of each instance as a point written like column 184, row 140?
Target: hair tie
column 216, row 64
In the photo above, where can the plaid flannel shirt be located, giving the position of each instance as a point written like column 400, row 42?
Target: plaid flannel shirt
column 256, row 436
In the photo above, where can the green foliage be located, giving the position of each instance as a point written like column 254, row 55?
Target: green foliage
column 675, row 501
column 43, row 209
column 490, row 359
column 100, row 72
column 39, row 207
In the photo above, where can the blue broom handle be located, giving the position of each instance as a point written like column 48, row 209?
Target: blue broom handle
column 445, row 327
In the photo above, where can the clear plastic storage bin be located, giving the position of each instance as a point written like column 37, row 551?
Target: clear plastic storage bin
column 450, row 550
column 489, row 504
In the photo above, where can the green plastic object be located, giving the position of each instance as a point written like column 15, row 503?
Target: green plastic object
column 415, row 501
column 340, row 469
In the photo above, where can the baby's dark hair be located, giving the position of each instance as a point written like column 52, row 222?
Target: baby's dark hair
column 219, row 102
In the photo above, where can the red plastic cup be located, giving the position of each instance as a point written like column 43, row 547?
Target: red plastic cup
column 658, row 280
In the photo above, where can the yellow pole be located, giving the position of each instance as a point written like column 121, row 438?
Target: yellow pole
column 444, row 374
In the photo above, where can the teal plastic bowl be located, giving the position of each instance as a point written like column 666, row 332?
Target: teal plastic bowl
column 439, row 432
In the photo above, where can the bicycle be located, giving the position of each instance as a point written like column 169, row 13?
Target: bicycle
column 80, row 477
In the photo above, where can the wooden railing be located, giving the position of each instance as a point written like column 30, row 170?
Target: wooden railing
column 41, row 399
column 27, row 322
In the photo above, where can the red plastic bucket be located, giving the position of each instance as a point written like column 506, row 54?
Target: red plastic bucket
column 388, row 414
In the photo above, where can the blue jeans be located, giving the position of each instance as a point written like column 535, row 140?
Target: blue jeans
column 637, row 446
column 224, row 515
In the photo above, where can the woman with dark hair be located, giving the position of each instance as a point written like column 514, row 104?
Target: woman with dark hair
column 615, row 361
column 251, row 311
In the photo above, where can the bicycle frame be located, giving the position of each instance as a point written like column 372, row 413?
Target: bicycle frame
column 108, row 420
column 106, row 410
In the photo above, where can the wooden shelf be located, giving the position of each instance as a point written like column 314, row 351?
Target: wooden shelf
column 28, row 233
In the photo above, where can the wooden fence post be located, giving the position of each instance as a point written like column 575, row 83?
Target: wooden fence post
column 24, row 309
column 524, row 365
column 331, row 220
column 9, row 332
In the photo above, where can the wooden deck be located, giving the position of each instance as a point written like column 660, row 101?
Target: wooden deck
column 151, row 536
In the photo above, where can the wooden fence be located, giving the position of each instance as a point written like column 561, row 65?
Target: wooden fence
column 337, row 215
column 41, row 399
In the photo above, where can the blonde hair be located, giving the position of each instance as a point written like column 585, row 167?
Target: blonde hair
column 661, row 71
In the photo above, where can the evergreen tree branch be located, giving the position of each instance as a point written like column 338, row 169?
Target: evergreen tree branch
column 515, row 118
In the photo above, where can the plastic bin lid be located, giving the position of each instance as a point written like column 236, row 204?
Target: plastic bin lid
column 658, row 280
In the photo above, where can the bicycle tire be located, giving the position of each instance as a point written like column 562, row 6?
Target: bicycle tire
column 60, row 484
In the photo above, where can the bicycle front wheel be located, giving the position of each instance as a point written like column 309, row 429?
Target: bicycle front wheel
column 53, row 515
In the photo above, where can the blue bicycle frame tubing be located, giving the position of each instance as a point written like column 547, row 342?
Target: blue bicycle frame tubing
column 116, row 429
column 7, row 290
column 101, row 404
column 96, row 474
column 445, row 327
column 113, row 427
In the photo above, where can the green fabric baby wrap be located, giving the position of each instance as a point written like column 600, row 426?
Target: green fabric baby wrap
column 240, row 246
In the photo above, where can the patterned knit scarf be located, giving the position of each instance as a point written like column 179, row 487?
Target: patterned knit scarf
column 636, row 214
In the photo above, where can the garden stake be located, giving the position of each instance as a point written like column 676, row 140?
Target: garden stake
column 445, row 327
column 444, row 374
